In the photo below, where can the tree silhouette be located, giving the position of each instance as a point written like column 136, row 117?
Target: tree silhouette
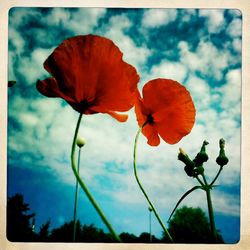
column 128, row 238
column 190, row 225
column 44, row 232
column 19, row 227
column 85, row 233
column 65, row 232
column 145, row 238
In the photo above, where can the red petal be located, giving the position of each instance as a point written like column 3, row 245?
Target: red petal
column 151, row 134
column 171, row 107
column 118, row 117
column 91, row 68
column 49, row 87
column 141, row 113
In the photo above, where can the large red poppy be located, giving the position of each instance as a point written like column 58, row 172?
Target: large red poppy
column 90, row 74
column 166, row 109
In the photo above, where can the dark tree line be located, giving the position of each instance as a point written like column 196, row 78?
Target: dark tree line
column 188, row 225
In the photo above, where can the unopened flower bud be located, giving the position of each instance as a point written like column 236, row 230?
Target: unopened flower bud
column 189, row 170
column 202, row 156
column 182, row 156
column 80, row 142
column 222, row 160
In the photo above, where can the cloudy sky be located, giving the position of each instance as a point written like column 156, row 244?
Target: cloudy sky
column 199, row 48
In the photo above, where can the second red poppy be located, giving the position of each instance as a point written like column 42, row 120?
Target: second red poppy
column 166, row 110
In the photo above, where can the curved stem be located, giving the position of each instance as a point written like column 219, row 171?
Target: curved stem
column 215, row 178
column 182, row 197
column 143, row 191
column 85, row 189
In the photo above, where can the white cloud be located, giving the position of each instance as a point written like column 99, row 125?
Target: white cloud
column 155, row 18
column 169, row 70
column 136, row 55
column 31, row 68
column 237, row 45
column 16, row 40
column 203, row 59
column 81, row 21
column 215, row 19
column 226, row 203
column 235, row 28
column 231, row 91
column 200, row 92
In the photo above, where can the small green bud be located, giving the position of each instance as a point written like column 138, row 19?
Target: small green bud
column 189, row 168
column 222, row 160
column 202, row 156
column 182, row 156
column 80, row 142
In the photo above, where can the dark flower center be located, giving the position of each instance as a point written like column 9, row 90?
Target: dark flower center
column 150, row 119
column 84, row 105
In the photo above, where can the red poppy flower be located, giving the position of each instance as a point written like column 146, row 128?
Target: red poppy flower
column 90, row 74
column 167, row 109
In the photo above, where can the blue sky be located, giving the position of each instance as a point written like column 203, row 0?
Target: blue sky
column 199, row 48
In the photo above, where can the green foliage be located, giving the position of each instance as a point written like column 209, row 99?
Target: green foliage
column 190, row 225
column 44, row 231
column 19, row 227
column 145, row 238
column 128, row 238
column 85, row 233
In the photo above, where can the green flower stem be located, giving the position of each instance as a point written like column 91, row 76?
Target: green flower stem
column 210, row 209
column 182, row 198
column 76, row 197
column 199, row 180
column 211, row 215
column 85, row 189
column 204, row 178
column 215, row 178
column 143, row 191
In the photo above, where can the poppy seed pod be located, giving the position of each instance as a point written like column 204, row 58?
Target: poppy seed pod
column 80, row 142
column 222, row 160
column 202, row 156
